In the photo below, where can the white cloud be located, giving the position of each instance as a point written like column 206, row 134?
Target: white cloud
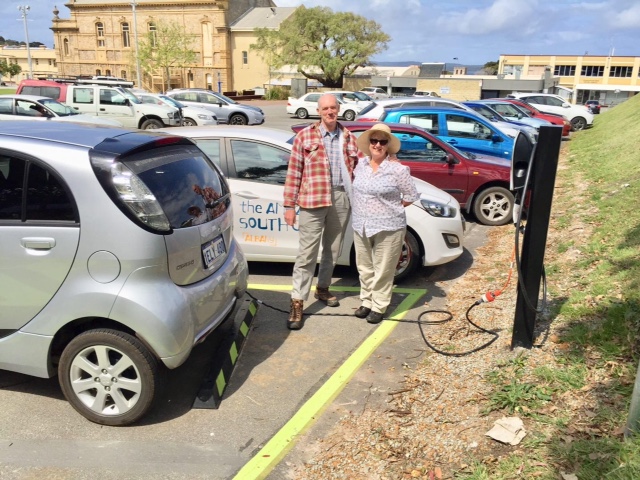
column 629, row 18
column 501, row 16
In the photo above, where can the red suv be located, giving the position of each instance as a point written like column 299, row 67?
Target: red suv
column 479, row 182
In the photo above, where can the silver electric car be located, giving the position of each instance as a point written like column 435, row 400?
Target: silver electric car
column 117, row 255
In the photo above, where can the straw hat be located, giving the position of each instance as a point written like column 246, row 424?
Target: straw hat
column 363, row 140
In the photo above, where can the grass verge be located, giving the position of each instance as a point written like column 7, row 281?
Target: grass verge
column 577, row 405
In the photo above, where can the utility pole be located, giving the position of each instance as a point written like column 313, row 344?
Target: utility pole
column 24, row 9
column 135, row 39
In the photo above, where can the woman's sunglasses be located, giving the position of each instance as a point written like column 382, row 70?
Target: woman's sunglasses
column 373, row 141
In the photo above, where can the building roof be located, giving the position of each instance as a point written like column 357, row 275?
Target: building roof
column 431, row 70
column 270, row 17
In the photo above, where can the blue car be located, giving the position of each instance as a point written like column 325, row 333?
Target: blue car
column 465, row 130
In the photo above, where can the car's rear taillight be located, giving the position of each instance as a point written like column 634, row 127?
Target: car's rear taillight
column 135, row 195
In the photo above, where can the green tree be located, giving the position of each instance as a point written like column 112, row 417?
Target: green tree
column 325, row 45
column 490, row 68
column 165, row 48
column 10, row 69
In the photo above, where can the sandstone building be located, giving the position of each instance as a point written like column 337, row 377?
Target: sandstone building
column 98, row 38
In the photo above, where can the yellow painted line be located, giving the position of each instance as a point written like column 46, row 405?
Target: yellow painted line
column 283, row 441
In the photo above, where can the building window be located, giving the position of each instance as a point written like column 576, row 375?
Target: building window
column 123, row 74
column 107, row 73
column 65, row 46
column 592, row 71
column 98, row 72
column 50, row 62
column 620, row 71
column 100, row 33
column 153, row 34
column 245, row 57
column 126, row 42
column 565, row 70
column 37, row 62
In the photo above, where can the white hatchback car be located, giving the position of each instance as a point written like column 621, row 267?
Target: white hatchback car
column 579, row 115
column 191, row 116
column 307, row 106
column 254, row 161
column 375, row 92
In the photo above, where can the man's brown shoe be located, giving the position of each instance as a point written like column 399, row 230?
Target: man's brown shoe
column 325, row 296
column 295, row 321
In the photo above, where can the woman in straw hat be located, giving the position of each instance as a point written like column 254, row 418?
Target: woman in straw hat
column 380, row 192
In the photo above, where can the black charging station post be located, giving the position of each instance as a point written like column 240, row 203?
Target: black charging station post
column 542, row 178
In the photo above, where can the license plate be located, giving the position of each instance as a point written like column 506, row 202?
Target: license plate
column 212, row 250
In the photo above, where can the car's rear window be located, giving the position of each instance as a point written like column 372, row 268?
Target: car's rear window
column 189, row 188
column 51, row 92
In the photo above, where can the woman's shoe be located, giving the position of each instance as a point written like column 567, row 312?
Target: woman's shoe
column 362, row 312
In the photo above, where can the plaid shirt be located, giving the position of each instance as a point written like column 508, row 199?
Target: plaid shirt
column 308, row 182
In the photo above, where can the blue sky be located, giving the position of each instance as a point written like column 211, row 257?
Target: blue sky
column 474, row 31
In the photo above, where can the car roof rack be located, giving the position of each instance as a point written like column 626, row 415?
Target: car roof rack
column 86, row 80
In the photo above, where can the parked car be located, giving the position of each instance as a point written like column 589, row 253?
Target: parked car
column 307, row 106
column 424, row 93
column 225, row 109
column 191, row 116
column 510, row 113
column 375, row 92
column 32, row 107
column 118, row 256
column 494, row 117
column 346, row 96
column 254, row 161
column 464, row 130
column 579, row 115
column 375, row 111
column 593, row 106
column 552, row 118
column 480, row 183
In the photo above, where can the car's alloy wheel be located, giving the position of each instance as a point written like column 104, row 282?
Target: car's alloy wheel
column 494, row 206
column 578, row 123
column 108, row 376
column 302, row 113
column 189, row 122
column 151, row 124
column 237, row 119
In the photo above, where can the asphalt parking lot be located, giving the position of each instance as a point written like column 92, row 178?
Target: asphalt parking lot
column 283, row 384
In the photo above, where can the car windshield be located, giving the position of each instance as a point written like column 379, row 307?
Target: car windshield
column 60, row 109
column 132, row 98
column 171, row 101
column 225, row 98
column 362, row 96
column 523, row 110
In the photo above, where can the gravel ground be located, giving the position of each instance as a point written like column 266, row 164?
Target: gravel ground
column 432, row 424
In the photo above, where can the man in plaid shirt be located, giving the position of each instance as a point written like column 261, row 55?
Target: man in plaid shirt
column 319, row 177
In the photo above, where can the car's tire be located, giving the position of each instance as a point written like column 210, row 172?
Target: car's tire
column 237, row 119
column 493, row 206
column 151, row 124
column 578, row 123
column 409, row 258
column 189, row 122
column 302, row 113
column 349, row 115
column 94, row 379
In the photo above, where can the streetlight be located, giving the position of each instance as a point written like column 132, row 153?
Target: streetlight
column 135, row 39
column 24, row 9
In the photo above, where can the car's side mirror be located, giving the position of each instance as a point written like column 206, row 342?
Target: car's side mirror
column 495, row 138
column 520, row 115
column 450, row 159
column 566, row 105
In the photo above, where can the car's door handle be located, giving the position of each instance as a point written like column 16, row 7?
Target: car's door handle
column 247, row 195
column 452, row 142
column 102, row 110
column 38, row 243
